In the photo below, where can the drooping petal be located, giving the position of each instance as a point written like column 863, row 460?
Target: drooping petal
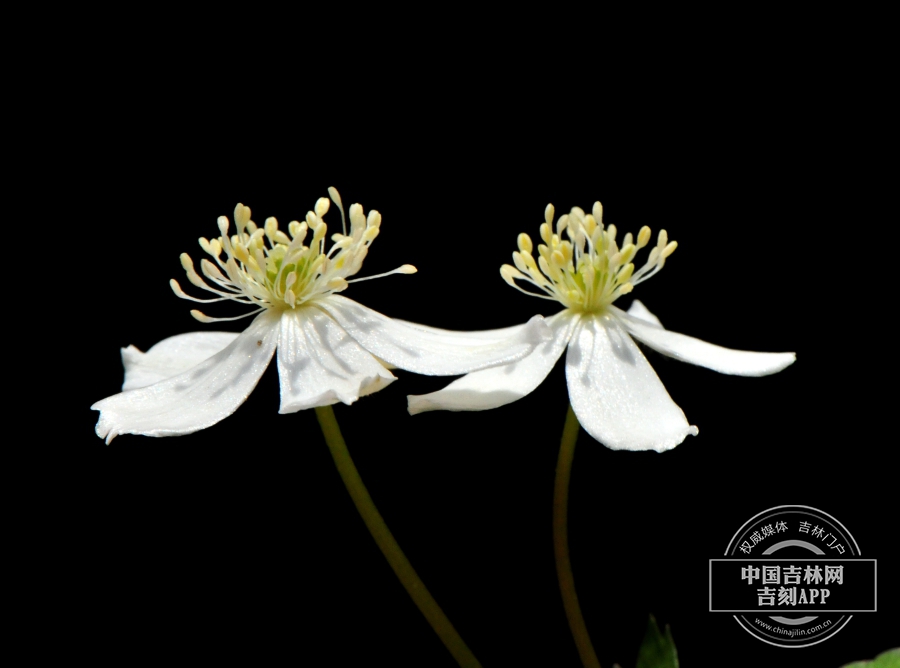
column 701, row 353
column 320, row 364
column 616, row 394
column 485, row 335
column 171, row 357
column 641, row 312
column 199, row 397
column 501, row 385
column 426, row 350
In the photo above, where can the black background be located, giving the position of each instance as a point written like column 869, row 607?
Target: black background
column 240, row 540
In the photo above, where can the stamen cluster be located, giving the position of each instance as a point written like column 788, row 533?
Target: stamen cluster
column 265, row 267
column 588, row 271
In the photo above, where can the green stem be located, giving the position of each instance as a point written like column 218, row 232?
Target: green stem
column 561, row 542
column 388, row 545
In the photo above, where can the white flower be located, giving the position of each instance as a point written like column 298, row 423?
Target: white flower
column 615, row 393
column 330, row 348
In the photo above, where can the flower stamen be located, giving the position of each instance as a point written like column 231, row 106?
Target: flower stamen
column 588, row 271
column 267, row 268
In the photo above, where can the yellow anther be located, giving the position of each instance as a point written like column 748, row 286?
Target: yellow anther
column 543, row 251
column 271, row 227
column 557, row 258
column 202, row 317
column 322, row 206
column 337, row 284
column 545, row 232
column 240, row 252
column 509, row 273
column 643, row 237
column 615, row 261
column 597, row 210
column 525, row 242
column 319, row 233
column 357, row 218
column 544, row 265
column 549, row 212
column 519, row 261
column 669, row 249
column 241, row 215
column 186, row 261
column 335, row 195
column 298, row 231
column 176, row 288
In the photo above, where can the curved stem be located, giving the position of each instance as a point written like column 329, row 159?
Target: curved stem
column 388, row 545
column 561, row 542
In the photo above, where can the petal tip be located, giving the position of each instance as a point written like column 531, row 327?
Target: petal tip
column 103, row 430
column 667, row 445
column 781, row 362
column 417, row 403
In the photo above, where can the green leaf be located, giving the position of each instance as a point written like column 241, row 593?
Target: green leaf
column 658, row 650
column 888, row 659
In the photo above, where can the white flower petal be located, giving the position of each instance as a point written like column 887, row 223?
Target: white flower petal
column 426, row 350
column 171, row 357
column 320, row 364
column 484, row 335
column 641, row 312
column 501, row 385
column 616, row 394
column 701, row 353
column 197, row 398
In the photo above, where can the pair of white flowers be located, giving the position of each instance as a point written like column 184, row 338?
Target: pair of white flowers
column 333, row 349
